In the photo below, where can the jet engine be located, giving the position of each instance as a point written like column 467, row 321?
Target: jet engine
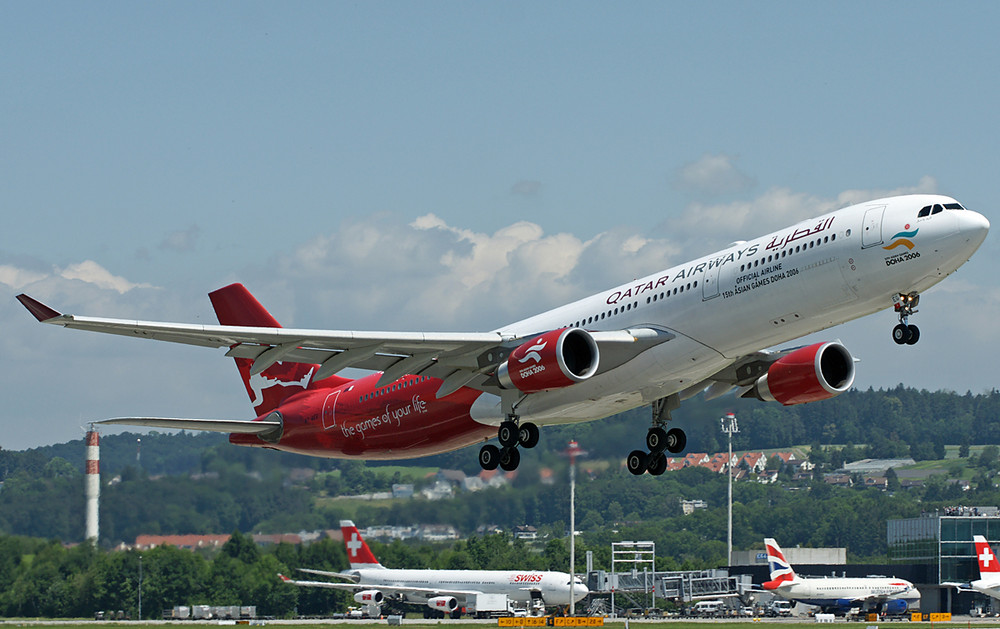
column 553, row 360
column 809, row 374
column 896, row 606
column 369, row 597
column 443, row 603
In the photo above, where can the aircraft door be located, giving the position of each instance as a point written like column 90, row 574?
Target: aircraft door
column 330, row 410
column 871, row 233
column 710, row 283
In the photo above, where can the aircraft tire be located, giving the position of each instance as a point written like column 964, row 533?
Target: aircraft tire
column 637, row 461
column 527, row 435
column 676, row 440
column 656, row 439
column 901, row 334
column 509, row 459
column 914, row 335
column 507, row 434
column 489, row 457
column 657, row 463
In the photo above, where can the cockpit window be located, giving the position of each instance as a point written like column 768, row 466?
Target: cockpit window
column 928, row 210
column 924, row 211
column 953, row 206
column 937, row 209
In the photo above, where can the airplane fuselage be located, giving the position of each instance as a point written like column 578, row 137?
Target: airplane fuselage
column 516, row 584
column 848, row 592
column 750, row 296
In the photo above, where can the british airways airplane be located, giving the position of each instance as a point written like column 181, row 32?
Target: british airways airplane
column 705, row 325
column 839, row 594
column 443, row 591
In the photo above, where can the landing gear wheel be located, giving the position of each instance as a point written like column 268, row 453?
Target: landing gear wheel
column 509, row 459
column 675, row 440
column 656, row 439
column 636, row 462
column 507, row 434
column 489, row 457
column 527, row 435
column 901, row 334
column 657, row 463
column 914, row 334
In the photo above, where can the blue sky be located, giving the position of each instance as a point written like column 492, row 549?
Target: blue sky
column 454, row 166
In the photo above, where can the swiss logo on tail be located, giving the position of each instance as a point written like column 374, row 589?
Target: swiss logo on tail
column 234, row 305
column 987, row 560
column 781, row 570
column 358, row 553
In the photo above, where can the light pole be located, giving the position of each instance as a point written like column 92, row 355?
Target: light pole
column 729, row 426
column 140, row 587
column 572, row 451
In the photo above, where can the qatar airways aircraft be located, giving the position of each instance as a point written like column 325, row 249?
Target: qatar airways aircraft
column 704, row 325
column 838, row 594
column 443, row 591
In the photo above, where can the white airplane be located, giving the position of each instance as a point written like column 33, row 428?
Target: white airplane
column 704, row 325
column 443, row 591
column 988, row 582
column 838, row 594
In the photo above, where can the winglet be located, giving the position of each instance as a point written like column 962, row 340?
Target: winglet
column 38, row 309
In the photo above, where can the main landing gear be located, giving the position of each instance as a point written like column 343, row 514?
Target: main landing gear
column 658, row 439
column 511, row 434
column 904, row 333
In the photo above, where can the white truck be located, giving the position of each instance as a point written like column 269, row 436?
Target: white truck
column 489, row 606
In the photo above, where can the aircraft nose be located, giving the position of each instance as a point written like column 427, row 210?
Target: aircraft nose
column 580, row 591
column 974, row 225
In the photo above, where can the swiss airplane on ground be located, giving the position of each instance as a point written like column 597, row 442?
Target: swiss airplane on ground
column 445, row 591
column 838, row 594
column 700, row 326
column 988, row 582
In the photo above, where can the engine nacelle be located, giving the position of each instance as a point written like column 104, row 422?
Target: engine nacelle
column 553, row 360
column 443, row 603
column 809, row 374
column 369, row 597
column 896, row 606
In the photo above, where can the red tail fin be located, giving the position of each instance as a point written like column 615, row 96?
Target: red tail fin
column 234, row 305
column 987, row 560
column 358, row 553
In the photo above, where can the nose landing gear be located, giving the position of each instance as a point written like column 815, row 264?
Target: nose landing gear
column 658, row 439
column 905, row 333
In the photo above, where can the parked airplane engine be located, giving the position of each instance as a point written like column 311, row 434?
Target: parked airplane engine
column 369, row 597
column 809, row 374
column 443, row 603
column 896, row 606
column 553, row 360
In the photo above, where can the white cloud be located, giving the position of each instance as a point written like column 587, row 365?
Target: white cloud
column 17, row 278
column 713, row 175
column 93, row 273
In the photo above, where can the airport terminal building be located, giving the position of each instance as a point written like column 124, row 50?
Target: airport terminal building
column 938, row 546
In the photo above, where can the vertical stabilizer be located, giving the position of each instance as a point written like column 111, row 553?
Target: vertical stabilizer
column 988, row 565
column 234, row 305
column 781, row 571
column 358, row 553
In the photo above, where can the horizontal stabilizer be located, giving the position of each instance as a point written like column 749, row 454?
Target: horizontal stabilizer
column 252, row 427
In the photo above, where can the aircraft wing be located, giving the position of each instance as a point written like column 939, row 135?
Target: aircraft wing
column 253, row 427
column 401, row 590
column 458, row 358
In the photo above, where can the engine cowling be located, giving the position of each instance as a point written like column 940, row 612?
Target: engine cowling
column 443, row 603
column 896, row 606
column 809, row 374
column 369, row 597
column 553, row 360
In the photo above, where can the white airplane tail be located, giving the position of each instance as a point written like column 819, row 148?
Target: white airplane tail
column 358, row 553
column 781, row 571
